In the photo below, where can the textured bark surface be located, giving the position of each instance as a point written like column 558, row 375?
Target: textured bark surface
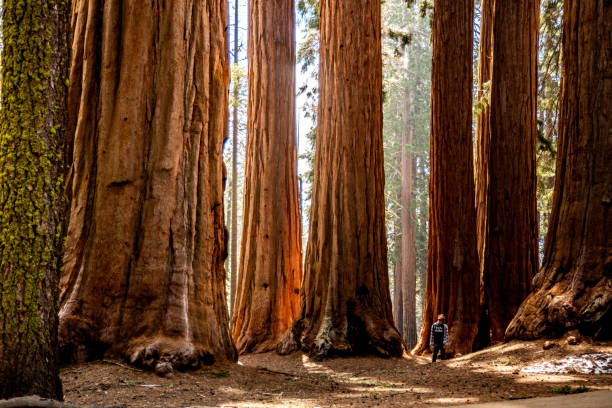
column 345, row 303
column 408, row 256
column 270, row 271
column 143, row 273
column 33, row 157
column 510, row 248
column 574, row 286
column 453, row 282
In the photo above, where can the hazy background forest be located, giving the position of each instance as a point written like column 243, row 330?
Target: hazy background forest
column 406, row 28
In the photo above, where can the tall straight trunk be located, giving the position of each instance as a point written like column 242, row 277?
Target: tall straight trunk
column 345, row 303
column 453, row 281
column 398, row 300
column 234, row 227
column 510, row 251
column 573, row 289
column 408, row 261
column 143, row 273
column 422, row 175
column 270, row 271
column 34, row 145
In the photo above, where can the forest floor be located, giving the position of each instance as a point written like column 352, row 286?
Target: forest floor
column 502, row 372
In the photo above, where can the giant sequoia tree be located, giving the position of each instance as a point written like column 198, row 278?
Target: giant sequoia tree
column 507, row 169
column 574, row 286
column 345, row 302
column 452, row 261
column 270, row 258
column 143, row 272
column 33, row 151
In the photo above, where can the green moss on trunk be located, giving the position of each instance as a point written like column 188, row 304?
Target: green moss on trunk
column 32, row 165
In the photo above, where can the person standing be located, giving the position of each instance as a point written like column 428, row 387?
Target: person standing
column 439, row 338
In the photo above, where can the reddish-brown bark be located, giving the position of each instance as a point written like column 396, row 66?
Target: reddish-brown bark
column 345, row 303
column 507, row 169
column 452, row 259
column 573, row 289
column 143, row 273
column 270, row 270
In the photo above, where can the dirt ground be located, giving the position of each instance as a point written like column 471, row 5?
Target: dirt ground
column 492, row 374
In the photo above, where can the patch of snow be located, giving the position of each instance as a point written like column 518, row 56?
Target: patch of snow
column 598, row 363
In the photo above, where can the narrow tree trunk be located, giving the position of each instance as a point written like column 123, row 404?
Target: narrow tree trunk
column 346, row 305
column 510, row 251
column 452, row 259
column 33, row 156
column 574, row 288
column 483, row 133
column 234, row 232
column 398, row 300
column 271, row 254
column 408, row 261
column 481, row 163
column 143, row 273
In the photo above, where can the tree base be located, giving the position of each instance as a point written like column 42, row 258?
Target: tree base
column 362, row 333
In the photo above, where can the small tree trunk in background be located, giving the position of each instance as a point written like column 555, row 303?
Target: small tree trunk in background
column 270, row 273
column 453, row 282
column 33, row 158
column 234, row 232
column 481, row 164
column 398, row 300
column 346, row 304
column 573, row 289
column 143, row 273
column 510, row 250
column 408, row 261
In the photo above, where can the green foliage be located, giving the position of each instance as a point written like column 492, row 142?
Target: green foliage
column 549, row 80
column 566, row 389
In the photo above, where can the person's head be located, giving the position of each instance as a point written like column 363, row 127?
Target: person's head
column 441, row 318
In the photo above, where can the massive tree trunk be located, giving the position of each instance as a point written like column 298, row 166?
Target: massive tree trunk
column 511, row 235
column 452, row 260
column 481, row 162
column 345, row 304
column 573, row 289
column 408, row 261
column 270, row 272
column 33, row 155
column 143, row 273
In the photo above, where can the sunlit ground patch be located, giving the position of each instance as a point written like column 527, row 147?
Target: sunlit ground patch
column 598, row 363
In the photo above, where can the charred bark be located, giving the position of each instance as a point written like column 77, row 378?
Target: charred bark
column 143, row 273
column 573, row 289
column 270, row 270
column 452, row 258
column 34, row 146
column 345, row 303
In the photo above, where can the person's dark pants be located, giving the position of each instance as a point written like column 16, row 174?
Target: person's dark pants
column 439, row 348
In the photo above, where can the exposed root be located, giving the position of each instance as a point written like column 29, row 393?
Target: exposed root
column 35, row 401
column 165, row 355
